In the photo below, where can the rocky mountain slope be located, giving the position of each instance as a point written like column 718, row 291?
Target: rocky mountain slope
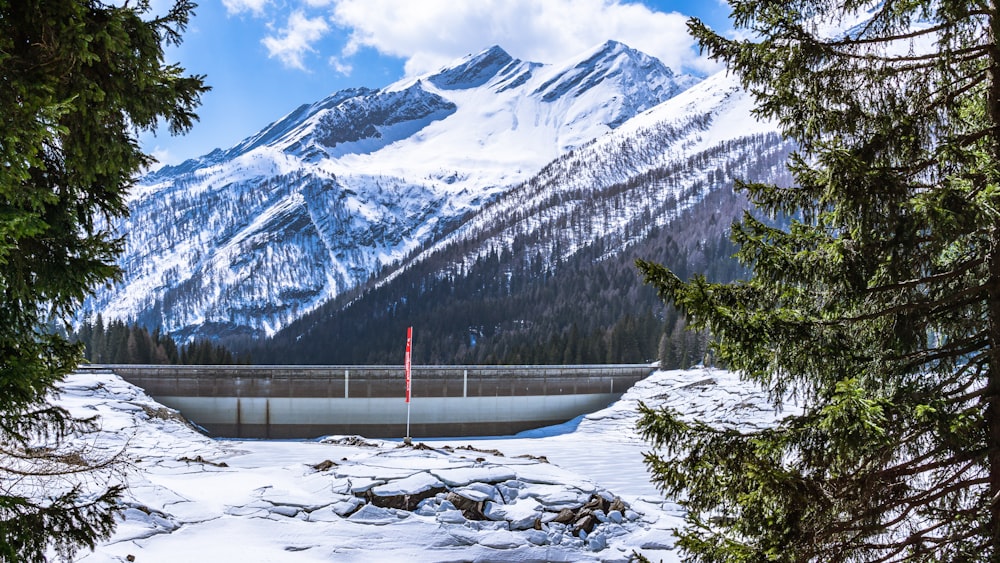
column 243, row 241
column 545, row 273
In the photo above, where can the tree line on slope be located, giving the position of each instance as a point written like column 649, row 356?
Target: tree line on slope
column 509, row 307
column 121, row 343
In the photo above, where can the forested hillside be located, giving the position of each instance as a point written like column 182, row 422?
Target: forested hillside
column 121, row 343
column 551, row 295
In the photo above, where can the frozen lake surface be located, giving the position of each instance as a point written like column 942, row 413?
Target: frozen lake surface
column 574, row 492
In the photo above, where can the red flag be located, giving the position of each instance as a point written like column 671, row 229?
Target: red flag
column 409, row 344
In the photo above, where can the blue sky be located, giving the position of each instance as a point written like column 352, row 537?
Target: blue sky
column 263, row 58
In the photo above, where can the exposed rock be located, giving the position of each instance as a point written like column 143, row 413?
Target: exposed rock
column 162, row 413
column 700, row 384
column 565, row 516
column 596, row 503
column 199, row 459
column 471, row 509
column 618, row 505
column 324, row 465
column 349, row 441
column 586, row 522
column 402, row 501
column 471, row 448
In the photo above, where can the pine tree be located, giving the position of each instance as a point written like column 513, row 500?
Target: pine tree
column 877, row 306
column 78, row 79
column 97, row 343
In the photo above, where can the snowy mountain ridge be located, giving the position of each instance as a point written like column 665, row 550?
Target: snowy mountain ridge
column 696, row 122
column 244, row 240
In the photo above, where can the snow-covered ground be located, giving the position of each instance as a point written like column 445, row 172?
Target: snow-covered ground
column 574, row 492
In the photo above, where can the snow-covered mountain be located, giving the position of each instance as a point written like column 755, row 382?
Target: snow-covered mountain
column 643, row 174
column 247, row 239
column 553, row 258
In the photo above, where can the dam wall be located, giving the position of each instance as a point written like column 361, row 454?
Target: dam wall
column 275, row 402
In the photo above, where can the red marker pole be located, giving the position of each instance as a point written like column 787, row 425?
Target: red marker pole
column 406, row 364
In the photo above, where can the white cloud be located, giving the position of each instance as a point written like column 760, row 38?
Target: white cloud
column 255, row 7
column 163, row 156
column 344, row 68
column 431, row 33
column 297, row 39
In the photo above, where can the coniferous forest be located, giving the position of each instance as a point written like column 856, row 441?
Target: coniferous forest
column 513, row 308
column 553, row 281
column 121, row 343
column 875, row 310
column 80, row 82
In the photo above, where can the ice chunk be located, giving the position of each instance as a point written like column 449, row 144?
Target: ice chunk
column 375, row 515
column 451, row 517
column 521, row 515
column 500, row 539
column 412, row 485
column 461, row 476
column 556, row 497
column 477, row 492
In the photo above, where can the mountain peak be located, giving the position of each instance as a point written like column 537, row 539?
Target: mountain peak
column 610, row 51
column 649, row 79
column 472, row 70
column 612, row 45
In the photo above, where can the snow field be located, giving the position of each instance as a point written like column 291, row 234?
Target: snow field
column 573, row 492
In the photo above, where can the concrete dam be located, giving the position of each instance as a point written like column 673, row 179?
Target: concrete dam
column 275, row 402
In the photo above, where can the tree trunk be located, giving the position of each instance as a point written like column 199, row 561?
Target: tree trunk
column 992, row 396
column 992, row 399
